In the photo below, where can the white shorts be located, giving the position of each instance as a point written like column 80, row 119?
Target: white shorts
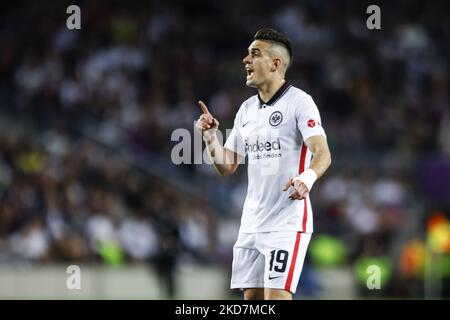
column 269, row 260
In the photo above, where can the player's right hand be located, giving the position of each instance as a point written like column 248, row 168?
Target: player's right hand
column 206, row 124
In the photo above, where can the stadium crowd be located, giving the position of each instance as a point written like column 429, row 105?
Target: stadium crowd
column 83, row 101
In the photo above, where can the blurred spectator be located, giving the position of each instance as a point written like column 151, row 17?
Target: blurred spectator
column 138, row 238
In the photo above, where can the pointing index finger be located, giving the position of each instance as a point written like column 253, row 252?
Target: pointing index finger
column 203, row 107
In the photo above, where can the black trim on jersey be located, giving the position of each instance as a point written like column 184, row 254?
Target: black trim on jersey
column 283, row 89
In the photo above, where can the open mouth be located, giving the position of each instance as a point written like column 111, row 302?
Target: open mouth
column 249, row 72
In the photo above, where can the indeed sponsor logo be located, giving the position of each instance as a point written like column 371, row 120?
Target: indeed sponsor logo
column 262, row 146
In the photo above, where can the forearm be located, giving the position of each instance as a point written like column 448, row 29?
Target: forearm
column 321, row 162
column 221, row 160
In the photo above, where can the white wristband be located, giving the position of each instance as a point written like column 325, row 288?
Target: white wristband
column 308, row 177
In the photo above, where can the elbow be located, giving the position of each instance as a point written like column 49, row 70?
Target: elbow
column 329, row 161
column 225, row 171
column 222, row 173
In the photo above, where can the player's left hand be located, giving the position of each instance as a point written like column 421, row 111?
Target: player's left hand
column 300, row 192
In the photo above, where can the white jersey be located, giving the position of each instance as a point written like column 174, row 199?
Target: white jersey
column 272, row 137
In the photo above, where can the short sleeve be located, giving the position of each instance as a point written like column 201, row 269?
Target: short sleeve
column 234, row 141
column 308, row 118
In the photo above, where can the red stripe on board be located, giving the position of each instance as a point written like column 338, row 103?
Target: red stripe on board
column 287, row 286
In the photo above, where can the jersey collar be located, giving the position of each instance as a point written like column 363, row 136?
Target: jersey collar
column 283, row 89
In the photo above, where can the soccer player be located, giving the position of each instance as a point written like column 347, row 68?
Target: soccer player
column 279, row 130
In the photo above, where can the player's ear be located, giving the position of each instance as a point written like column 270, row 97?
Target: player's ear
column 276, row 64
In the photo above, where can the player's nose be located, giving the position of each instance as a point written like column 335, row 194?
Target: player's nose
column 246, row 59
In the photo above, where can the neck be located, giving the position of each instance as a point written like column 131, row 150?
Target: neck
column 267, row 90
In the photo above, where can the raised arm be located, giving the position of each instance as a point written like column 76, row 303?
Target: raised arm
column 224, row 160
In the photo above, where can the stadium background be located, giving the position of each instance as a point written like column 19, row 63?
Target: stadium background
column 86, row 118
